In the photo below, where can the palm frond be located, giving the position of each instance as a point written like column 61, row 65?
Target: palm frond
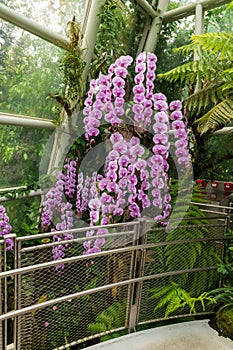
column 217, row 117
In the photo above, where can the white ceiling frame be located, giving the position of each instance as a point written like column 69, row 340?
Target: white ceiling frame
column 32, row 27
column 26, row 121
column 189, row 10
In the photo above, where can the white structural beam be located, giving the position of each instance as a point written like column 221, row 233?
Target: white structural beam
column 224, row 131
column 30, row 194
column 27, row 24
column 199, row 18
column 32, row 27
column 90, row 26
column 199, row 27
column 153, row 34
column 189, row 10
column 147, row 8
column 26, row 121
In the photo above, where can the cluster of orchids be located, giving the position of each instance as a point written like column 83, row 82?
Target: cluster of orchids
column 5, row 228
column 133, row 179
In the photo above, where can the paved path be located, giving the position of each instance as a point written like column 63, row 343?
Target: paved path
column 194, row 335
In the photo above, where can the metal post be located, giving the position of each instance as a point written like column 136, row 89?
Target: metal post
column 5, row 295
column 15, row 293
column 18, row 304
column 5, row 291
column 1, row 296
column 138, row 271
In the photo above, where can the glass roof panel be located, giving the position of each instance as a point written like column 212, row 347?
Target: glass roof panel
column 52, row 14
column 173, row 35
column 30, row 73
column 20, row 157
column 219, row 19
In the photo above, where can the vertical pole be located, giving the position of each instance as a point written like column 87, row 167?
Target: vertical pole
column 5, row 291
column 199, row 18
column 199, row 24
column 15, row 292
column 19, row 284
column 68, row 129
column 131, row 276
column 90, row 28
column 136, row 290
column 1, row 299
column 5, row 294
column 145, row 32
column 199, row 27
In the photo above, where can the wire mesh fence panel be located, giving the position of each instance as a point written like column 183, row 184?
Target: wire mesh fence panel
column 68, row 321
column 39, row 248
column 183, row 262
column 75, row 320
column 142, row 274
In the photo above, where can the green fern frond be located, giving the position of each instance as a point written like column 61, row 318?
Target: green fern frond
column 217, row 117
column 95, row 328
column 177, row 298
column 180, row 208
column 105, row 318
column 201, row 281
column 158, row 292
column 185, row 50
column 167, row 297
column 110, row 318
column 178, row 262
column 204, row 98
column 182, row 256
column 228, row 71
column 216, row 42
column 193, row 213
column 195, row 283
column 174, row 304
column 186, row 73
column 228, row 87
column 204, row 68
column 229, row 6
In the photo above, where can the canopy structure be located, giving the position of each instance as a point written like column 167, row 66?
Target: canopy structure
column 90, row 23
column 156, row 13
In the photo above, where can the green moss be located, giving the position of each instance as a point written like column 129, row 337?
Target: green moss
column 224, row 320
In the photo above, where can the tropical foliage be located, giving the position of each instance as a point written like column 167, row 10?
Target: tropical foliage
column 209, row 103
column 224, row 295
column 106, row 203
column 176, row 298
column 183, row 291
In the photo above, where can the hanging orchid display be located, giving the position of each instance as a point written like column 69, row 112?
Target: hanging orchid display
column 5, row 228
column 134, row 178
